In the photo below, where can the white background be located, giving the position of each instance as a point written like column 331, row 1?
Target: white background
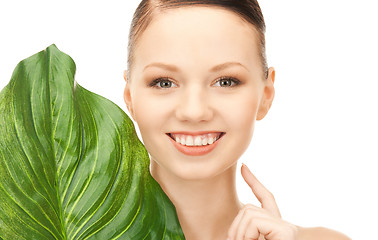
column 316, row 150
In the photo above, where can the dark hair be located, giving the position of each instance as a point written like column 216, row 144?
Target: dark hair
column 248, row 10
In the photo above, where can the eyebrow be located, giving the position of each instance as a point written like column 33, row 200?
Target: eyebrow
column 174, row 68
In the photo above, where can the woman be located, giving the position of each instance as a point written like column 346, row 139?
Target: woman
column 197, row 80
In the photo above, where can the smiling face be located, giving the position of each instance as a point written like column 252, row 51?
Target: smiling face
column 197, row 72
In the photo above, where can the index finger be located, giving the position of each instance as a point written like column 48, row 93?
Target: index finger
column 262, row 194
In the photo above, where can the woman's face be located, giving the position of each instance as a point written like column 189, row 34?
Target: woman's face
column 212, row 82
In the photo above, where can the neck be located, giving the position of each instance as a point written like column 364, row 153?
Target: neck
column 206, row 207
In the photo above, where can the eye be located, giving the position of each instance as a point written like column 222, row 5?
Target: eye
column 228, row 82
column 162, row 82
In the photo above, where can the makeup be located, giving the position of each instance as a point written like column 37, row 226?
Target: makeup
column 195, row 150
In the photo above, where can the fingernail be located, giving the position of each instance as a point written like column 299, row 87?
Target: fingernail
column 246, row 167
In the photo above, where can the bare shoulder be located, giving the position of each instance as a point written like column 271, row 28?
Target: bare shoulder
column 317, row 233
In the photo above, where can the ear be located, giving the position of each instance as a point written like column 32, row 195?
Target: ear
column 127, row 95
column 268, row 96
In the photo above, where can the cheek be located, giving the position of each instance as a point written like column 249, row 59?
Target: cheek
column 144, row 112
column 150, row 115
column 241, row 112
column 241, row 121
column 148, row 104
column 247, row 112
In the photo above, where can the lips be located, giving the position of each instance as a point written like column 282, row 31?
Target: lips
column 193, row 149
column 199, row 138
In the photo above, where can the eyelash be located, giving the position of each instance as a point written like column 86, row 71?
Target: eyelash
column 234, row 80
column 161, row 79
column 158, row 80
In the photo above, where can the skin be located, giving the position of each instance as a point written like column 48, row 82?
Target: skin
column 202, row 188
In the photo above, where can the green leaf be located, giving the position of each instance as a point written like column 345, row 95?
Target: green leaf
column 71, row 163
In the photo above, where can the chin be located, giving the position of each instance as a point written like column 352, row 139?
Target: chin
column 195, row 172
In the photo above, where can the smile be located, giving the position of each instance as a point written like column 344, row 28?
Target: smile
column 197, row 144
column 196, row 140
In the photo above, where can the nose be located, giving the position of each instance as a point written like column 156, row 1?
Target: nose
column 194, row 106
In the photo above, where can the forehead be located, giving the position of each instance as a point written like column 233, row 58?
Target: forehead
column 197, row 35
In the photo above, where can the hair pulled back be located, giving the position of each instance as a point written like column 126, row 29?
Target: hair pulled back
column 249, row 10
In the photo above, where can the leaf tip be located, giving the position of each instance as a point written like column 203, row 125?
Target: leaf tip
column 52, row 47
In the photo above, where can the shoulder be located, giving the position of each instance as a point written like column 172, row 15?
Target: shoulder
column 317, row 233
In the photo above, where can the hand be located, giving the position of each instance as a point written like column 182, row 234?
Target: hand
column 255, row 223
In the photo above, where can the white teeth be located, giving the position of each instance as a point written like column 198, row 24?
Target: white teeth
column 198, row 140
column 189, row 141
